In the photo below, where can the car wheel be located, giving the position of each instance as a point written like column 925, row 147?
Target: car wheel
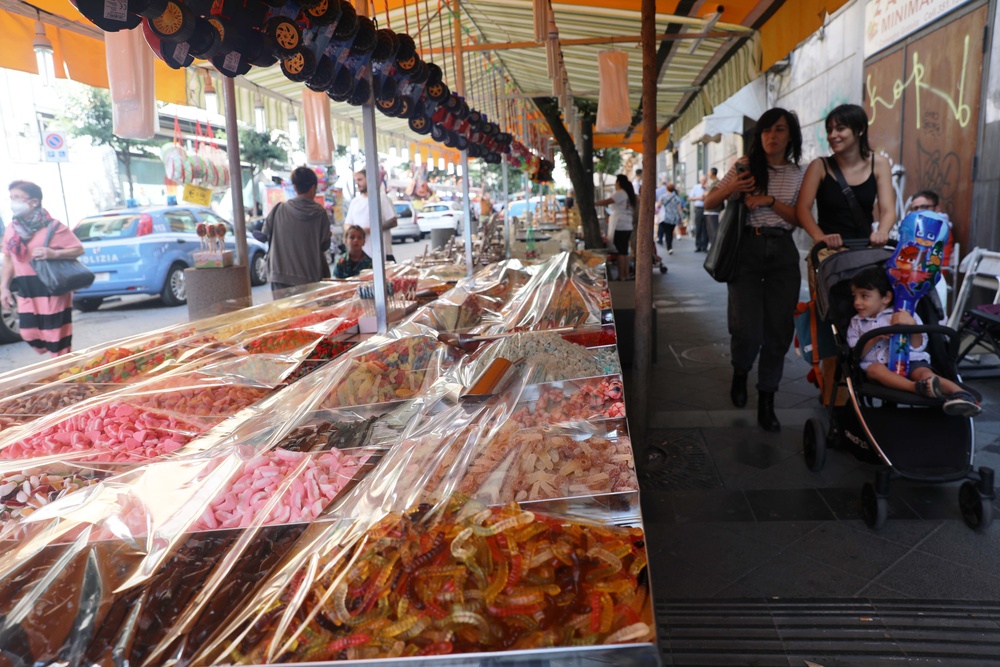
column 9, row 326
column 258, row 274
column 174, row 288
column 89, row 304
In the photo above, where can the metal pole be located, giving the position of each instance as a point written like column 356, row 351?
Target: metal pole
column 375, row 214
column 62, row 190
column 643, row 357
column 506, row 208
column 374, row 196
column 460, row 89
column 467, row 212
column 235, row 174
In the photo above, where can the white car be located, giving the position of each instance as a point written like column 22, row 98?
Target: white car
column 440, row 215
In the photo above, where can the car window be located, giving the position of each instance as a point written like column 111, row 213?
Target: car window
column 208, row 216
column 403, row 211
column 436, row 207
column 104, row 227
column 181, row 221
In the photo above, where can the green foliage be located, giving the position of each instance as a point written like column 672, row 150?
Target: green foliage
column 608, row 161
column 260, row 150
column 93, row 118
column 490, row 176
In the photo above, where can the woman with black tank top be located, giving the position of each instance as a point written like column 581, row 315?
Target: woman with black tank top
column 867, row 174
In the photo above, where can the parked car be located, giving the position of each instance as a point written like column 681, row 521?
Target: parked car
column 519, row 207
column 144, row 250
column 406, row 222
column 440, row 215
column 9, row 326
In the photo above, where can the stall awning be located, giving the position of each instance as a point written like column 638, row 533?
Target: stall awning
column 705, row 58
column 78, row 47
column 750, row 101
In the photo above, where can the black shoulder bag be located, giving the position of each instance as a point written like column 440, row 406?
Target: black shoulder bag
column 723, row 259
column 852, row 201
column 61, row 276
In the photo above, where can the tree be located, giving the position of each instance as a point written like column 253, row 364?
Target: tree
column 581, row 173
column 607, row 161
column 94, row 120
column 261, row 150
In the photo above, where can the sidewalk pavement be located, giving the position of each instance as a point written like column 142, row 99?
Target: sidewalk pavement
column 756, row 560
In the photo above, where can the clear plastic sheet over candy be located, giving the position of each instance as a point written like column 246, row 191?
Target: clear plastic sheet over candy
column 364, row 510
column 570, row 290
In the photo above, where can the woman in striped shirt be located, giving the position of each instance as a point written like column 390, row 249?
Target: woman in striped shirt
column 46, row 321
column 763, row 295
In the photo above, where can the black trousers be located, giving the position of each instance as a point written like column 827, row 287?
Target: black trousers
column 711, row 226
column 700, row 230
column 762, row 303
column 666, row 232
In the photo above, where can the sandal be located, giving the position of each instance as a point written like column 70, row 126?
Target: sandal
column 929, row 388
column 961, row 404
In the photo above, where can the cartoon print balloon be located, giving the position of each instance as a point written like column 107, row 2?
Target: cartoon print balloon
column 913, row 270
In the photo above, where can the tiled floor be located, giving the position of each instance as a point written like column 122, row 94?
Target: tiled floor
column 737, row 524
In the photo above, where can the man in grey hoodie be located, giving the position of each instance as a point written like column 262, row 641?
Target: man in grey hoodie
column 299, row 233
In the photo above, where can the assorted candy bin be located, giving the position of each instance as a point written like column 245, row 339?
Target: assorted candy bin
column 459, row 579
column 285, row 489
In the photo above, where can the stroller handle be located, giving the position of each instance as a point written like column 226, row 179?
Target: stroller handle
column 849, row 244
column 939, row 329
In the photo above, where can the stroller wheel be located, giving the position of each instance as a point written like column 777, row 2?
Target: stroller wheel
column 663, row 268
column 874, row 508
column 977, row 511
column 814, row 444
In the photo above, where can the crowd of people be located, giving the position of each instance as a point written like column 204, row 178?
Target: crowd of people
column 852, row 194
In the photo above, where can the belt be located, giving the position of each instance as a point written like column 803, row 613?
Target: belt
column 768, row 231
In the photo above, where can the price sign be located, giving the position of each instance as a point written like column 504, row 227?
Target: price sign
column 197, row 195
column 54, row 147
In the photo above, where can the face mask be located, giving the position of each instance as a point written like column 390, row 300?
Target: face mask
column 19, row 208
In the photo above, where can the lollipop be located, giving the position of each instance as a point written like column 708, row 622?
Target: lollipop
column 220, row 234
column 202, row 232
column 212, row 243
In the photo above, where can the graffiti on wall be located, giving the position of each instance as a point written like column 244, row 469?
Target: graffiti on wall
column 925, row 97
column 939, row 171
column 918, row 81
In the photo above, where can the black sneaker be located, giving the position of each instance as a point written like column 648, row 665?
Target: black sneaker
column 961, row 404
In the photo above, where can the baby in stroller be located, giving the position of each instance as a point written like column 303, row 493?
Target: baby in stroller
column 873, row 298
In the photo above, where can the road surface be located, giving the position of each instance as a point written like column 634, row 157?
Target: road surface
column 127, row 316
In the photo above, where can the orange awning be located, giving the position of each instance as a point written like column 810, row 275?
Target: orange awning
column 78, row 49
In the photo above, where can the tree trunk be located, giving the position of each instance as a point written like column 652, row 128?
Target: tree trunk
column 580, row 172
column 126, row 158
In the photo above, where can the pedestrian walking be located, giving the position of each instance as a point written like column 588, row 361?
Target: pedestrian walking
column 298, row 231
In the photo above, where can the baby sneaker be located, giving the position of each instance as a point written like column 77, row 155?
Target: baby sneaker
column 929, row 388
column 961, row 404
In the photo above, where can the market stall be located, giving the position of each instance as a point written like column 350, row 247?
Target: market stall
column 296, row 491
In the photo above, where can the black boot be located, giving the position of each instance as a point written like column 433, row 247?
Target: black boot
column 765, row 412
column 738, row 392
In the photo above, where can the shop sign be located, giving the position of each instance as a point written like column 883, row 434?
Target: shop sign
column 197, row 195
column 888, row 21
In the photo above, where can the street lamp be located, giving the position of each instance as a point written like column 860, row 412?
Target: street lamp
column 293, row 128
column 211, row 97
column 43, row 53
column 260, row 120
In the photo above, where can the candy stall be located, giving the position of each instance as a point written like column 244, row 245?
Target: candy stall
column 275, row 486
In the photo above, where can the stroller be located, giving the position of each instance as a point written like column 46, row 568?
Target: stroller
column 906, row 435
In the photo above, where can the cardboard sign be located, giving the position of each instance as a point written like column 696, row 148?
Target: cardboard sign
column 197, row 195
